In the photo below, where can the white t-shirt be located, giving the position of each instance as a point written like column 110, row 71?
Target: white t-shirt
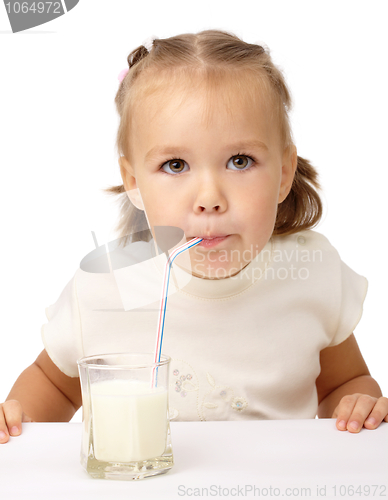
column 245, row 347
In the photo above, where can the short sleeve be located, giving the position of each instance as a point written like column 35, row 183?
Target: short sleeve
column 353, row 289
column 61, row 336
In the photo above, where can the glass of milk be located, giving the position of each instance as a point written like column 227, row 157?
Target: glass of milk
column 126, row 430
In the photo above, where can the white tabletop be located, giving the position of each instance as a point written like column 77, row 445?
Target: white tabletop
column 280, row 458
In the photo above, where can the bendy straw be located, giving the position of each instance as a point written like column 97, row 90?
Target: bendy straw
column 163, row 302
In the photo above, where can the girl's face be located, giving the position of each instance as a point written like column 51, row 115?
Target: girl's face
column 219, row 177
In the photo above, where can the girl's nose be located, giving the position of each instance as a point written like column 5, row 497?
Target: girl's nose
column 210, row 197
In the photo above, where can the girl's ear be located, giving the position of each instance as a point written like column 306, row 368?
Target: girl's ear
column 129, row 181
column 290, row 162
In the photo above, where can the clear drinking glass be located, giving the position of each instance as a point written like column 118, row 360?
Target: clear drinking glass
column 125, row 422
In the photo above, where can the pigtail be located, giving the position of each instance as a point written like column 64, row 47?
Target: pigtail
column 131, row 219
column 137, row 55
column 302, row 209
column 133, row 58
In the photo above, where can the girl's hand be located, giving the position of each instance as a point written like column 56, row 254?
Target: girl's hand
column 11, row 418
column 357, row 410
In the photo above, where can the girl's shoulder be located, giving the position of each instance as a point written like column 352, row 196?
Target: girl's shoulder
column 304, row 240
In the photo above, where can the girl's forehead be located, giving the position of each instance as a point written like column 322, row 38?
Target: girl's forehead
column 238, row 104
column 235, row 93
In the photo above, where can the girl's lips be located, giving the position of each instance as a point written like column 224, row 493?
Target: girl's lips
column 211, row 242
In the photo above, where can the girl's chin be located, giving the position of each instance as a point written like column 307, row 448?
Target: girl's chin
column 211, row 265
column 214, row 273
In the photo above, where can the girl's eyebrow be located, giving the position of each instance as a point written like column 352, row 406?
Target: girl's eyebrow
column 254, row 144
column 165, row 150
column 173, row 150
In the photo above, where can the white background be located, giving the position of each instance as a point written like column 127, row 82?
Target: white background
column 58, row 124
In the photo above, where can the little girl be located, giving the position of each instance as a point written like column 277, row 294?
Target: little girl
column 264, row 328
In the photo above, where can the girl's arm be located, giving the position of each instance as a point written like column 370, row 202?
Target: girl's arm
column 343, row 381
column 42, row 393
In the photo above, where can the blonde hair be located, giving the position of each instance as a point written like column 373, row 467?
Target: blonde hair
column 213, row 55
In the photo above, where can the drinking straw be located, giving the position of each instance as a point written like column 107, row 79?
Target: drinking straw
column 163, row 302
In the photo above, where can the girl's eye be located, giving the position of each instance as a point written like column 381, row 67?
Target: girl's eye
column 176, row 166
column 240, row 162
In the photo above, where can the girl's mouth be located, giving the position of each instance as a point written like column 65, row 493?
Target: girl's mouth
column 210, row 242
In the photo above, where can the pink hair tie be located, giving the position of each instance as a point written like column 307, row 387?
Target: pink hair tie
column 123, row 74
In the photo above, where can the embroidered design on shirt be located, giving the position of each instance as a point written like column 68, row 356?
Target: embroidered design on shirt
column 239, row 404
column 184, row 385
column 210, row 405
column 173, row 413
column 221, row 398
column 216, row 401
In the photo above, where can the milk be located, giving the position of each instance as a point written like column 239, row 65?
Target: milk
column 129, row 420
